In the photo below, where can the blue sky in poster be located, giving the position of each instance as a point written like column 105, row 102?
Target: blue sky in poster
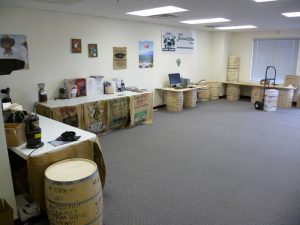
column 145, row 54
column 145, row 47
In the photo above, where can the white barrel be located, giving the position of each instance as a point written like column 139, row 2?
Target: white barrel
column 214, row 90
column 174, row 101
column 233, row 62
column 190, row 98
column 204, row 94
column 233, row 92
column 73, row 192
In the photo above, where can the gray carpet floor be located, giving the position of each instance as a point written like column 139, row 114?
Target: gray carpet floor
column 221, row 163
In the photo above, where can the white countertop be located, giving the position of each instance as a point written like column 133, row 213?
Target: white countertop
column 51, row 130
column 86, row 99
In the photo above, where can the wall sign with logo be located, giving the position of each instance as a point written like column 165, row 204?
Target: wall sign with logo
column 178, row 42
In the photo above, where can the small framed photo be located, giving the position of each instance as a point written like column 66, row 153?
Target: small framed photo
column 93, row 51
column 76, row 45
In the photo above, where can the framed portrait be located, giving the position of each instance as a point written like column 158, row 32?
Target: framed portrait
column 93, row 51
column 76, row 45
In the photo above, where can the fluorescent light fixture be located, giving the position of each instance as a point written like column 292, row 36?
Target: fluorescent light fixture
column 212, row 20
column 265, row 0
column 291, row 14
column 236, row 27
column 157, row 11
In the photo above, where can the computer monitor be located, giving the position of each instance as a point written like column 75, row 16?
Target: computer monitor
column 174, row 79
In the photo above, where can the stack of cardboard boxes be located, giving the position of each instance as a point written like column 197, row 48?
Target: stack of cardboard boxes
column 271, row 97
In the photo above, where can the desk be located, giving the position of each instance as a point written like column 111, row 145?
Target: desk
column 87, row 146
column 101, row 113
column 177, row 98
column 285, row 94
column 51, row 130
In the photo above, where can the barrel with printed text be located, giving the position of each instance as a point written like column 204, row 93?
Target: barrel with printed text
column 73, row 193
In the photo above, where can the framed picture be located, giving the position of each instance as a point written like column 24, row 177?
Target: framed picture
column 76, row 45
column 119, row 58
column 93, row 51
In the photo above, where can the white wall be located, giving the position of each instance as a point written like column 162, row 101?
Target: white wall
column 220, row 48
column 51, row 61
column 6, row 186
column 241, row 45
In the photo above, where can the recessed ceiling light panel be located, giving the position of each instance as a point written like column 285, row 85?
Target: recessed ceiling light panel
column 157, row 11
column 200, row 21
column 265, row 0
column 236, row 27
column 291, row 14
column 61, row 2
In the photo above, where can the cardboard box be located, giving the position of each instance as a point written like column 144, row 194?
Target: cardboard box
column 270, row 108
column 271, row 92
column 270, row 103
column 295, row 81
column 292, row 80
column 15, row 134
column 6, row 213
column 269, row 98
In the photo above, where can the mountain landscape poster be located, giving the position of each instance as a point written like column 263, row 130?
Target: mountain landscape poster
column 145, row 54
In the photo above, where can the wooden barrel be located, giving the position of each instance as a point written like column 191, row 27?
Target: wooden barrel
column 73, row 192
column 174, row 101
column 233, row 62
column 233, row 75
column 256, row 94
column 285, row 98
column 190, row 98
column 233, row 92
column 298, row 102
column 214, row 90
column 204, row 94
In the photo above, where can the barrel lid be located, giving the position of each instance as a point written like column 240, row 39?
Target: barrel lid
column 70, row 170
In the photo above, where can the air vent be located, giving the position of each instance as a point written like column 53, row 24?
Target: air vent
column 163, row 16
column 60, row 2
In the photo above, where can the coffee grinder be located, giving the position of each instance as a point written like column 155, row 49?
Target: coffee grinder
column 42, row 92
column 33, row 132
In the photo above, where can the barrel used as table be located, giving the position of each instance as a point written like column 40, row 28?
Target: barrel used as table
column 190, row 98
column 73, row 192
column 214, row 90
column 174, row 101
column 233, row 92
column 204, row 94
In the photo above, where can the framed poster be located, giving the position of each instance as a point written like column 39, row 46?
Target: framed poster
column 13, row 53
column 93, row 51
column 145, row 54
column 76, row 45
column 119, row 58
